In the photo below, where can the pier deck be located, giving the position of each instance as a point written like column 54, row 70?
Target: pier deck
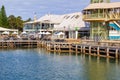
column 103, row 49
column 18, row 44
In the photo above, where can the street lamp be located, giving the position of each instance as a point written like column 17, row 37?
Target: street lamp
column 64, row 31
column 76, row 32
column 69, row 31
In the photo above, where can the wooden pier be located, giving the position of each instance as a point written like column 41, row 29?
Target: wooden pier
column 103, row 49
column 97, row 50
column 89, row 49
column 18, row 44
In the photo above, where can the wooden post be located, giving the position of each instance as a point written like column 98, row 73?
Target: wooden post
column 54, row 47
column 98, row 50
column 47, row 47
column 2, row 44
column 31, row 44
column 81, row 48
column 107, row 52
column 50, row 46
column 76, row 49
column 28, row 43
column 69, row 48
column 116, row 54
column 7, row 43
column 84, row 49
column 89, row 49
column 59, row 48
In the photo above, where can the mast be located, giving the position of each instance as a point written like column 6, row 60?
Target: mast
column 35, row 17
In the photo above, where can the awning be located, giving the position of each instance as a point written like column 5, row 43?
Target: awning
column 14, row 33
column 47, row 33
column 103, row 5
column 6, row 32
column 23, row 33
column 60, row 33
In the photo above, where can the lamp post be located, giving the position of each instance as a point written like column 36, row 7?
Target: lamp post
column 69, row 31
column 64, row 31
column 76, row 32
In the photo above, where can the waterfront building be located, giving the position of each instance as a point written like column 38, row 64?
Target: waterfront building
column 104, row 18
column 71, row 24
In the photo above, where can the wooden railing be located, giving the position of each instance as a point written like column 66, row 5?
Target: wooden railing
column 105, row 16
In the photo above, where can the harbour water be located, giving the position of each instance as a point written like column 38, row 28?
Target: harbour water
column 37, row 64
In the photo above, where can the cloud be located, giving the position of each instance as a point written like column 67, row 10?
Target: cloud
column 27, row 3
column 26, row 8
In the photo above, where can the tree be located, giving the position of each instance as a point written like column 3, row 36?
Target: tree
column 29, row 19
column 12, row 21
column 15, row 22
column 19, row 23
column 4, row 21
column 0, row 19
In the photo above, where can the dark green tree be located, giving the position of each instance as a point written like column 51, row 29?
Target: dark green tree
column 0, row 19
column 19, row 23
column 29, row 19
column 12, row 21
column 15, row 22
column 4, row 21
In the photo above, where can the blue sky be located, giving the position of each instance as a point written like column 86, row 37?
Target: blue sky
column 27, row 8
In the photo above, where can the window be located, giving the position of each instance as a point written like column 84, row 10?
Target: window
column 72, row 16
column 67, row 17
column 111, row 28
column 77, row 16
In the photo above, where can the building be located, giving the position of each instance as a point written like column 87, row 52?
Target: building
column 104, row 19
column 71, row 24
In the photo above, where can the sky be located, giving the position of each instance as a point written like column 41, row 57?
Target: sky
column 27, row 8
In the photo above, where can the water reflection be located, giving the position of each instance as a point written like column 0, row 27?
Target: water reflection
column 38, row 64
column 101, row 68
column 91, row 67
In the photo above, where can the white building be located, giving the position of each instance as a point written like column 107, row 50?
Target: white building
column 68, row 23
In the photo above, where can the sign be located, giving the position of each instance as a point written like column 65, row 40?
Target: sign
column 76, row 28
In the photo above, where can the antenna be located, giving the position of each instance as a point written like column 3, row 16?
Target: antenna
column 35, row 17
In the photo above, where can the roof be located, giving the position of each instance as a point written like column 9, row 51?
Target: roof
column 49, row 18
column 5, row 29
column 103, row 5
column 71, row 21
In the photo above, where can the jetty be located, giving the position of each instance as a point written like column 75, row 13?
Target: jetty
column 110, row 49
column 18, row 44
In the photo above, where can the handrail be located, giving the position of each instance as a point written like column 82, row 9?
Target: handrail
column 116, row 24
column 105, row 16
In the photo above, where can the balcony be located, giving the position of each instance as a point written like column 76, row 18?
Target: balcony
column 101, row 17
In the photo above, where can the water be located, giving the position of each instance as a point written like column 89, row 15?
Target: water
column 37, row 64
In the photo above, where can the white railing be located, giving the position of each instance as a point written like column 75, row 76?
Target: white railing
column 114, row 33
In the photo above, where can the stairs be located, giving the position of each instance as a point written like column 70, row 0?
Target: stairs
column 115, row 25
column 115, row 34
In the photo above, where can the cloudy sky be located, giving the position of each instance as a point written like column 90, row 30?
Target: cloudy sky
column 27, row 8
